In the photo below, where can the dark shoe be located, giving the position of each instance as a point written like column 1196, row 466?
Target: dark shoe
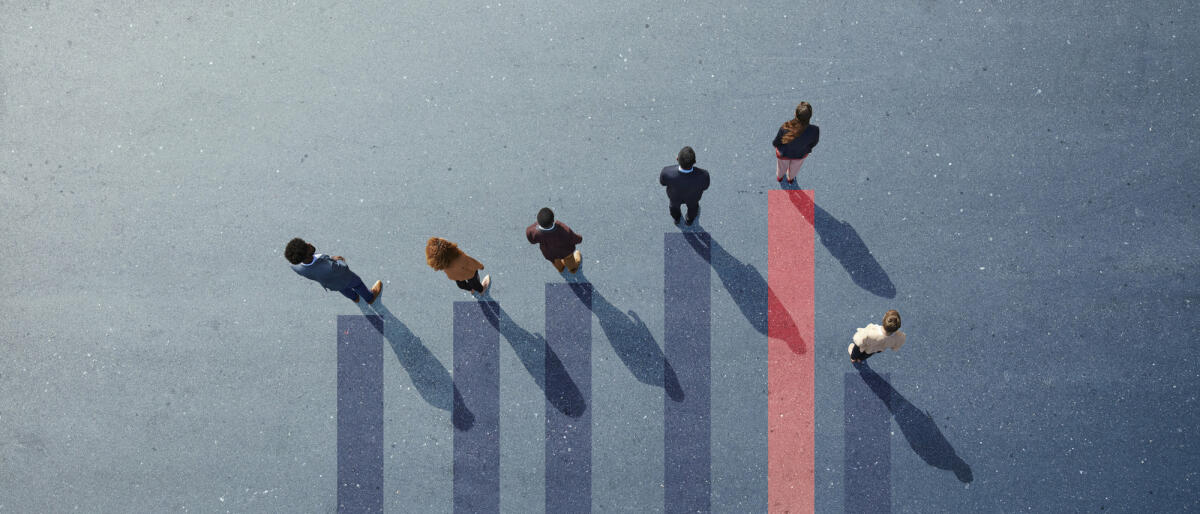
column 792, row 182
column 377, row 291
column 689, row 221
column 779, row 179
column 676, row 220
column 356, row 299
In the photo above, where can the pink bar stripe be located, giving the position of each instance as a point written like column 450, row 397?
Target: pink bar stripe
column 790, row 322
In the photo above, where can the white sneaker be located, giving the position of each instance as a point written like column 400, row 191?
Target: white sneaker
column 487, row 282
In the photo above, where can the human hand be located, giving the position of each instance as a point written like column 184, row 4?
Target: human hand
column 338, row 258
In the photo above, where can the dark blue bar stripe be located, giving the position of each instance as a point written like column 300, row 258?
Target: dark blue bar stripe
column 568, row 376
column 687, row 429
column 477, row 378
column 360, row 413
column 868, row 462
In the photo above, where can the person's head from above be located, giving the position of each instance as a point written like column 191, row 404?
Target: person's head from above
column 545, row 218
column 299, row 251
column 686, row 158
column 804, row 112
column 891, row 321
column 795, row 126
column 440, row 253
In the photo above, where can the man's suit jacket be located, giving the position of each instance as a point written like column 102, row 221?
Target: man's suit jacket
column 331, row 274
column 556, row 243
column 684, row 187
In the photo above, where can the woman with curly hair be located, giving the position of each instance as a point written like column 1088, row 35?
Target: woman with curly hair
column 794, row 141
column 442, row 255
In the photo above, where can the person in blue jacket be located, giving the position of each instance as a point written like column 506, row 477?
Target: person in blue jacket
column 331, row 272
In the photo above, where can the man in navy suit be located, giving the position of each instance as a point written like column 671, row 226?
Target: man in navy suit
column 685, row 185
column 331, row 272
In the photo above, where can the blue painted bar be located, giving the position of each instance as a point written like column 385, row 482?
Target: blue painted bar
column 868, row 454
column 687, row 421
column 568, row 434
column 477, row 378
column 360, row 413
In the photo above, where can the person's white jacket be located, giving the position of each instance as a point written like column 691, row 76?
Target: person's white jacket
column 873, row 339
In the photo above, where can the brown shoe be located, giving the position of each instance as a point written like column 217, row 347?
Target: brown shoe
column 578, row 261
column 559, row 265
column 376, row 290
column 487, row 282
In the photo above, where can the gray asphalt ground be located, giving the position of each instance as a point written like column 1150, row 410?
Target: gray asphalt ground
column 1023, row 174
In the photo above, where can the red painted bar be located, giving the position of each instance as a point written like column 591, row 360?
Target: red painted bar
column 790, row 323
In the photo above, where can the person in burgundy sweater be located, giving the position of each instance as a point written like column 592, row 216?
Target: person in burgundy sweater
column 556, row 240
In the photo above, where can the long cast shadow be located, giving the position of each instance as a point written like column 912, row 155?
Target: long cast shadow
column 844, row 243
column 539, row 360
column 635, row 346
column 429, row 376
column 918, row 427
column 750, row 292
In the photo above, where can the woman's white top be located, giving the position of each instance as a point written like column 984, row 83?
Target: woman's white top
column 872, row 339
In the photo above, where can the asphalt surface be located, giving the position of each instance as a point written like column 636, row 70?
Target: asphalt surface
column 1017, row 178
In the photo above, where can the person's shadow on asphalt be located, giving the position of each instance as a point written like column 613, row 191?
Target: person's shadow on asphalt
column 844, row 243
column 429, row 377
column 632, row 341
column 750, row 292
column 918, row 427
column 539, row 360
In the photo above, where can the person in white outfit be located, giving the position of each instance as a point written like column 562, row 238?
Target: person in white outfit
column 873, row 338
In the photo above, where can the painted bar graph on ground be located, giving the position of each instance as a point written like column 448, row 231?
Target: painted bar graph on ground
column 790, row 325
column 687, row 430
column 477, row 377
column 360, row 414
column 568, row 375
column 868, row 426
column 687, row 420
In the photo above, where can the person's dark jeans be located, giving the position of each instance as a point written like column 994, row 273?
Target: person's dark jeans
column 693, row 210
column 472, row 284
column 358, row 289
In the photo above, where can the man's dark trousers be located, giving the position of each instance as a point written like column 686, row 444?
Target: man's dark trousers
column 357, row 290
column 693, row 207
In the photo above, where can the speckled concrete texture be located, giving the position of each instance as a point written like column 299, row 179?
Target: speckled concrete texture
column 1017, row 178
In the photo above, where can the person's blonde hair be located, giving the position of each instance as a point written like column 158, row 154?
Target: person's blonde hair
column 796, row 126
column 440, row 253
column 891, row 321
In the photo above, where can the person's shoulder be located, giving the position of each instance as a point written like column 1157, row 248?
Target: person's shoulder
column 669, row 168
column 702, row 171
column 462, row 260
column 317, row 259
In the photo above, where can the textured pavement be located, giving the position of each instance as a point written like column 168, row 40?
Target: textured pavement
column 1017, row 178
